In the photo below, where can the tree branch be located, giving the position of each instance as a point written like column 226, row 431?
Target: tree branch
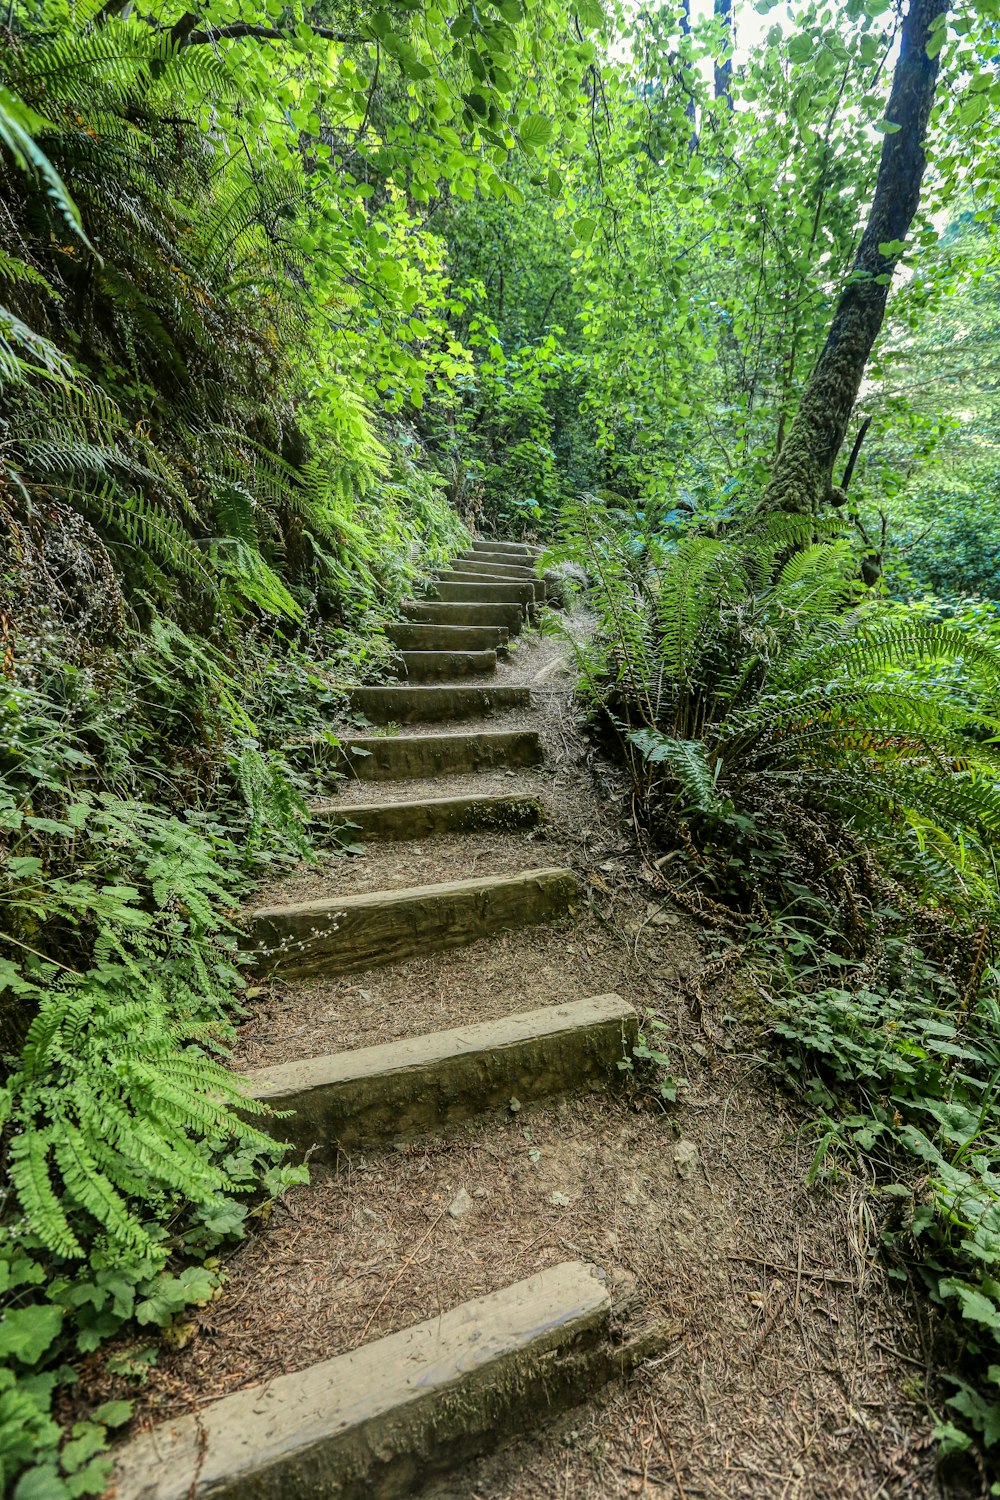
column 239, row 29
column 849, row 471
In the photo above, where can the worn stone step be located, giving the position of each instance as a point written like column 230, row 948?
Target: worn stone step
column 339, row 933
column 494, row 568
column 381, row 1421
column 393, row 757
column 435, row 612
column 523, row 549
column 431, row 815
column 511, row 559
column 408, row 1087
column 466, row 591
column 536, row 585
column 444, row 666
column 410, row 636
column 405, row 704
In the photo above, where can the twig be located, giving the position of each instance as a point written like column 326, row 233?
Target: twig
column 407, row 1263
column 799, row 1270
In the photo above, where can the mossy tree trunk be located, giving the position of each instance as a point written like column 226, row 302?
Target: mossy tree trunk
column 803, row 471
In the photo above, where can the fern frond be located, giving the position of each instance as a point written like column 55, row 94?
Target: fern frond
column 30, row 1174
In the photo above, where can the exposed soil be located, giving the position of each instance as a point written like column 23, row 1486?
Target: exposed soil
column 789, row 1367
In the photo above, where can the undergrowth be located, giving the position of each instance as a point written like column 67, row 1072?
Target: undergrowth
column 817, row 769
column 143, row 788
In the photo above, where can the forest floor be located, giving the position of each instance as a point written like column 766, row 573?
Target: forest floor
column 789, row 1366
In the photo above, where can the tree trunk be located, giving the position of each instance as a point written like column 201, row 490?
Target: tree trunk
column 689, row 108
column 803, row 472
column 723, row 10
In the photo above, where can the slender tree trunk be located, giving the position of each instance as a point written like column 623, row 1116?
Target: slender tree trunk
column 689, row 108
column 723, row 10
column 802, row 475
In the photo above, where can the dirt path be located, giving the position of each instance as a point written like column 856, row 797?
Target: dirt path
column 785, row 1365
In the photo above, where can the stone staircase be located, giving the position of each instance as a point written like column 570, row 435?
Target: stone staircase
column 388, row 1417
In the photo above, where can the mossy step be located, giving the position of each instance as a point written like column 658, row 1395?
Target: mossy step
column 454, row 575
column 443, row 666
column 337, row 934
column 390, row 757
column 432, row 815
column 434, row 612
column 474, row 591
column 379, row 1422
column 406, row 704
column 427, row 637
column 405, row 1088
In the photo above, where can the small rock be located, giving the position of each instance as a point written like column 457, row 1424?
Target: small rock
column 685, row 1159
column 460, row 1204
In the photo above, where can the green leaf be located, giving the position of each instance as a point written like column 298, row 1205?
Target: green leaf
column 591, row 14
column 535, row 131
column 41, row 1483
column 975, row 1306
column 584, row 229
column 113, row 1413
column 26, row 1332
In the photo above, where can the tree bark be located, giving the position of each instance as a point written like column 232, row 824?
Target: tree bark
column 723, row 10
column 802, row 475
column 689, row 108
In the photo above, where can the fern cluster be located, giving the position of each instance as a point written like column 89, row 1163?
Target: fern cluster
column 753, row 669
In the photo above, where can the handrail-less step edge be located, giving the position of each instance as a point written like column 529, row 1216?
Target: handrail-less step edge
column 444, row 612
column 378, row 1422
column 404, row 1088
column 535, row 586
column 397, row 757
column 337, row 934
column 415, row 703
column 425, row 816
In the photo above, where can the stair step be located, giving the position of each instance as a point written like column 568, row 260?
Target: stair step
column 401, row 756
column 339, row 933
column 511, row 559
column 495, row 568
column 404, row 704
column 536, row 585
column 431, row 815
column 414, row 637
column 404, row 1088
column 387, row 1417
column 442, row 666
column 523, row 549
column 434, row 612
column 464, row 591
